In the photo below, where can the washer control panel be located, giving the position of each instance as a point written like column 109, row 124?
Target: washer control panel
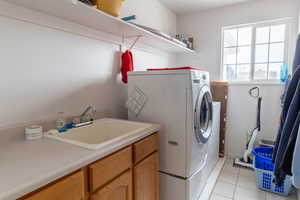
column 199, row 77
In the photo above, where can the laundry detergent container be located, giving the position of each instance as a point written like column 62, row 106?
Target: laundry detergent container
column 111, row 7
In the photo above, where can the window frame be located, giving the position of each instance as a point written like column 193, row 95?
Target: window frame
column 286, row 60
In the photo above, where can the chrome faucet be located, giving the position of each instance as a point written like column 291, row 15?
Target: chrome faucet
column 88, row 114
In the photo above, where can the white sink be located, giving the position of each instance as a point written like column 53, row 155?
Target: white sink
column 105, row 132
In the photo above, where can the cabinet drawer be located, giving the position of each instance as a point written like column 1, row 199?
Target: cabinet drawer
column 68, row 188
column 103, row 171
column 145, row 147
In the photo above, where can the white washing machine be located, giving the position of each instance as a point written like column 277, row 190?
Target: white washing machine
column 180, row 101
column 213, row 143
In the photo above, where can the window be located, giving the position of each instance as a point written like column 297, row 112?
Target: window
column 254, row 52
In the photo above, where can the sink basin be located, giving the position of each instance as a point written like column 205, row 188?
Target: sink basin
column 105, row 132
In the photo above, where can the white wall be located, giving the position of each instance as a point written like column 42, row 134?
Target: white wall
column 151, row 13
column 206, row 27
column 242, row 115
column 299, row 21
column 45, row 70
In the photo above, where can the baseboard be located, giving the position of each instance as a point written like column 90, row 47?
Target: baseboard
column 212, row 180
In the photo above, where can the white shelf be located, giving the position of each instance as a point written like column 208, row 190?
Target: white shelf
column 77, row 12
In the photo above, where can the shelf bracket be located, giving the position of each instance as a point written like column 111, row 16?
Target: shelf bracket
column 137, row 37
column 135, row 41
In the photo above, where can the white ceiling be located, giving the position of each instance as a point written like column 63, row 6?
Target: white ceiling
column 186, row 6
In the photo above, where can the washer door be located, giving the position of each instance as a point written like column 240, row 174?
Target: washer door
column 203, row 115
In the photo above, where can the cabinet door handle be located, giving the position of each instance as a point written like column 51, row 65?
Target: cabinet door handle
column 173, row 143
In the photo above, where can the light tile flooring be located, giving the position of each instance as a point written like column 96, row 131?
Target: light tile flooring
column 240, row 184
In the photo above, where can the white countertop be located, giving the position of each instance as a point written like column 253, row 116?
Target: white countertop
column 28, row 165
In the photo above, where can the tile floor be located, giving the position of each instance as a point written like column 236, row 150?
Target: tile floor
column 239, row 184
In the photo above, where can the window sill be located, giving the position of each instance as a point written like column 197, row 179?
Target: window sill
column 256, row 83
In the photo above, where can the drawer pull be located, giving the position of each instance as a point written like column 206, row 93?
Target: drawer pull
column 174, row 143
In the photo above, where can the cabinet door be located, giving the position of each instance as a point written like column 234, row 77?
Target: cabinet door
column 119, row 189
column 146, row 179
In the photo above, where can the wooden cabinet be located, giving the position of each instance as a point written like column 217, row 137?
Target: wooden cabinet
column 118, row 189
column 128, row 174
column 219, row 92
column 106, row 169
column 145, row 147
column 146, row 179
column 68, row 188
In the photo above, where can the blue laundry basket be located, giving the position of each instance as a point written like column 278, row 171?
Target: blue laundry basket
column 264, row 170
